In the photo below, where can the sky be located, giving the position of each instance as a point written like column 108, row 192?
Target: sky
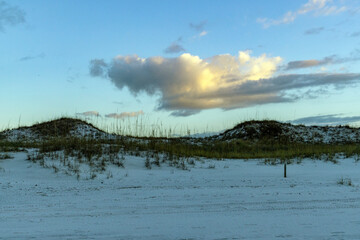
column 202, row 65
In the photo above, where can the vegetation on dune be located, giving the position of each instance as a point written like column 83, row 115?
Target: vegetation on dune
column 59, row 127
column 5, row 156
column 266, row 129
column 60, row 145
column 236, row 149
column 7, row 146
column 263, row 140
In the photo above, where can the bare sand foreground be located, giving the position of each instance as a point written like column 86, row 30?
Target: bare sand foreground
column 230, row 199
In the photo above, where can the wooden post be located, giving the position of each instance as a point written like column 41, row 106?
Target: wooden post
column 285, row 170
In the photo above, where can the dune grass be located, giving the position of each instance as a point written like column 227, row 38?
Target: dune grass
column 270, row 147
column 236, row 149
column 63, row 153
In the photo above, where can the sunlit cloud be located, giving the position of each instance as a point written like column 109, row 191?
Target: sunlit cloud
column 10, row 15
column 323, row 69
column 199, row 27
column 317, row 7
column 187, row 84
column 203, row 33
column 89, row 114
column 124, row 114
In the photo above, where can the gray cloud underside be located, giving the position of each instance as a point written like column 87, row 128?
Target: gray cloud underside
column 117, row 102
column 184, row 113
column 355, row 34
column 333, row 59
column 174, row 48
column 10, row 15
column 331, row 119
column 313, row 31
column 198, row 26
column 32, row 57
column 97, row 67
column 89, row 114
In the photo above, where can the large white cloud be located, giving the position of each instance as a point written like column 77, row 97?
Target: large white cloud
column 185, row 82
column 188, row 84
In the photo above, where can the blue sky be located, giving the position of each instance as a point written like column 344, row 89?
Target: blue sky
column 199, row 64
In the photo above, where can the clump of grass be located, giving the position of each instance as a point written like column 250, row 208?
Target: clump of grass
column 109, row 175
column 8, row 146
column 331, row 157
column 147, row 162
column 92, row 175
column 271, row 161
column 157, row 160
column 345, row 181
column 35, row 156
column 55, row 168
column 190, row 161
column 5, row 156
column 211, row 166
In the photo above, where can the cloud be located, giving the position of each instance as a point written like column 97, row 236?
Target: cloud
column 200, row 35
column 10, row 15
column 90, row 114
column 124, row 114
column 331, row 119
column 309, row 63
column 203, row 33
column 174, row 48
column 297, row 81
column 333, row 59
column 72, row 75
column 354, row 10
column 317, row 7
column 187, row 84
column 313, row 31
column 32, row 57
column 97, row 67
column 355, row 34
column 184, row 113
column 314, row 93
column 117, row 102
column 198, row 26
